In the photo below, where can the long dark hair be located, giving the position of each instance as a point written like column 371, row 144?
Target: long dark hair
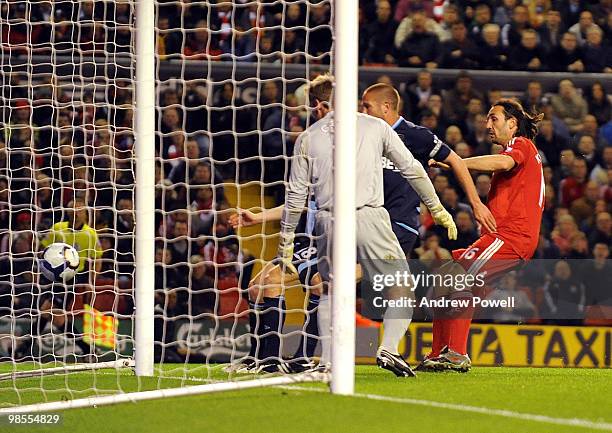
column 527, row 123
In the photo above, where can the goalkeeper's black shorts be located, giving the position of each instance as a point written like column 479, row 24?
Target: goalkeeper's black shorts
column 305, row 258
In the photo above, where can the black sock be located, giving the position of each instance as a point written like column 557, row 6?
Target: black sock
column 310, row 329
column 273, row 319
column 254, row 330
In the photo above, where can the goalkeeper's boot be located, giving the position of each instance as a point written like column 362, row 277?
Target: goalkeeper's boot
column 394, row 363
column 296, row 366
column 271, row 366
column 242, row 366
column 319, row 368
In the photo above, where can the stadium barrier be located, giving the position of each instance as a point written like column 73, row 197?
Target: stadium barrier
column 488, row 345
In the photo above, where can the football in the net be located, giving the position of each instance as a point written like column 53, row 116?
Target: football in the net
column 59, row 262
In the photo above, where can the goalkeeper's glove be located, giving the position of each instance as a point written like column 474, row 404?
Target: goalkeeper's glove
column 285, row 253
column 442, row 218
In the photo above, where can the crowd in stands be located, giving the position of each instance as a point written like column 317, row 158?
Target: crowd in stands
column 524, row 35
column 200, row 123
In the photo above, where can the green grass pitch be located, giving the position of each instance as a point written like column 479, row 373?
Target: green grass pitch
column 484, row 400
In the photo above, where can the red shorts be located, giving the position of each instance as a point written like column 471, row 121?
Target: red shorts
column 490, row 255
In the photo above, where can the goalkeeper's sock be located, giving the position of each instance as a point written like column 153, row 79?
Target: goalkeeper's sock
column 324, row 317
column 272, row 319
column 254, row 329
column 308, row 342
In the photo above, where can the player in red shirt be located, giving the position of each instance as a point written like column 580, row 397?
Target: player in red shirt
column 516, row 200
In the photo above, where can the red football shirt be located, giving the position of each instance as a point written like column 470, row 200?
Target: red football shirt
column 516, row 199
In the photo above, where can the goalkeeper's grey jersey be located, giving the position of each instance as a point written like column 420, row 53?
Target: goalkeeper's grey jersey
column 312, row 167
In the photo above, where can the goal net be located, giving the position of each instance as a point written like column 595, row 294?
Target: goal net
column 83, row 158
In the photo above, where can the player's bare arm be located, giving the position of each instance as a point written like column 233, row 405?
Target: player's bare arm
column 247, row 218
column 482, row 214
column 490, row 163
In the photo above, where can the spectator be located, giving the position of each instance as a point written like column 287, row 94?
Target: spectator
column 434, row 104
column 586, row 148
column 597, row 56
column 420, row 47
column 466, row 231
column 417, row 94
column 483, row 186
column 293, row 47
column 538, row 9
column 440, row 184
column 511, row 32
column 431, row 253
column 203, row 209
column 570, row 10
column 601, row 11
column 451, row 202
column 567, row 57
column 124, row 229
column 459, row 52
column 201, row 300
column 474, row 108
column 580, row 28
column 431, row 121
column 563, row 234
column 599, row 272
column 450, row 15
column 572, row 187
column 181, row 247
column 503, row 13
column 457, row 99
column 182, row 172
column 169, row 40
column 600, row 173
column 463, row 150
column 589, row 128
column 551, row 30
column 533, row 98
column 453, row 136
column 528, row 55
column 564, row 297
column 319, row 38
column 602, row 232
column 482, row 17
column 199, row 45
column 478, row 137
column 583, row 208
column 598, row 103
column 380, row 35
column 550, row 143
column 569, row 105
column 546, row 250
column 508, row 288
column 493, row 54
column 405, row 8
column 269, row 100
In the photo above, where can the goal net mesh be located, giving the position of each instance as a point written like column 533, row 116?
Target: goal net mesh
column 229, row 105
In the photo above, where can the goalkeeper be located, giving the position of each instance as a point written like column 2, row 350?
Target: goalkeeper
column 56, row 302
column 378, row 250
